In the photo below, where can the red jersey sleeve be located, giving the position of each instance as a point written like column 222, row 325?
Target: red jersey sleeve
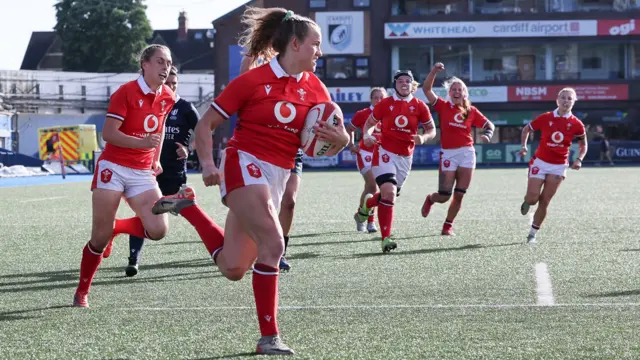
column 379, row 110
column 439, row 105
column 358, row 120
column 479, row 120
column 118, row 104
column 235, row 95
column 425, row 114
column 537, row 123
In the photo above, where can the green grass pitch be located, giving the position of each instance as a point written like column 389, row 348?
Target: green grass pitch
column 472, row 296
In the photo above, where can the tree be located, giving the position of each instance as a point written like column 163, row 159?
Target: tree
column 102, row 36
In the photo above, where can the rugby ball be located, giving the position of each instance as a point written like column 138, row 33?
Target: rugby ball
column 327, row 114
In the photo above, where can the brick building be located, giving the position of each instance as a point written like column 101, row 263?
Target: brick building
column 514, row 54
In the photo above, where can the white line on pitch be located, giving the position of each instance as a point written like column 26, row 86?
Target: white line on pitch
column 43, row 199
column 376, row 307
column 544, row 293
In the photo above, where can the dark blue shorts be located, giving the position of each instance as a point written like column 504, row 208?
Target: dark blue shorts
column 170, row 183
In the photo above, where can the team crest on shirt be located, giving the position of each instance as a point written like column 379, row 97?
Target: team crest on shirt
column 391, row 107
column 267, row 89
column 550, row 123
column 568, row 126
column 254, row 171
column 140, row 102
column 411, row 108
column 367, row 158
column 162, row 103
column 105, row 176
column 302, row 93
column 385, row 158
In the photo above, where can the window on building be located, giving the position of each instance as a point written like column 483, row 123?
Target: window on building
column 317, row 3
column 635, row 61
column 591, row 5
column 508, row 62
column 320, row 69
column 588, row 61
column 455, row 59
column 361, row 3
column 339, row 68
column 362, row 68
column 420, row 60
column 428, row 7
column 508, row 6
column 415, row 58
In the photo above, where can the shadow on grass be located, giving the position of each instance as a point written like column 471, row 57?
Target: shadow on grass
column 51, row 279
column 251, row 354
column 429, row 251
column 18, row 314
column 615, row 294
column 302, row 256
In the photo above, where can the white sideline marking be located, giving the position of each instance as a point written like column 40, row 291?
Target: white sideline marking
column 43, row 199
column 544, row 292
column 375, row 307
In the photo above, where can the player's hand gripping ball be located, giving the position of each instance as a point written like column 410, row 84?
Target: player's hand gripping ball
column 326, row 114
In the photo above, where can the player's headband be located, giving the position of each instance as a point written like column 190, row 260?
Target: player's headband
column 403, row 73
column 287, row 16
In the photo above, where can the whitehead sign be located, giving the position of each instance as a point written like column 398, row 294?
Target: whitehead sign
column 343, row 32
column 349, row 94
column 491, row 29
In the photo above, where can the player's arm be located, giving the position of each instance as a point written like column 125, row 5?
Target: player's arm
column 524, row 136
column 583, row 147
column 203, row 139
column 427, row 123
column 237, row 93
column 116, row 115
column 351, row 130
column 529, row 128
column 427, row 86
column 111, row 133
column 482, row 121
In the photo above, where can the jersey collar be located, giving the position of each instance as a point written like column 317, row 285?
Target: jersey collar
column 145, row 88
column 279, row 71
column 557, row 114
column 407, row 99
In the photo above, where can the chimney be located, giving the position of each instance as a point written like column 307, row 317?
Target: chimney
column 182, row 26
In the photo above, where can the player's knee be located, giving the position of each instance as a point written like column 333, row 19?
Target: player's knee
column 445, row 195
column 388, row 192
column 458, row 193
column 532, row 198
column 234, row 273
column 288, row 202
column 270, row 242
column 271, row 248
column 101, row 235
column 157, row 233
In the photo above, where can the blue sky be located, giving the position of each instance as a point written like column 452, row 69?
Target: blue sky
column 22, row 17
